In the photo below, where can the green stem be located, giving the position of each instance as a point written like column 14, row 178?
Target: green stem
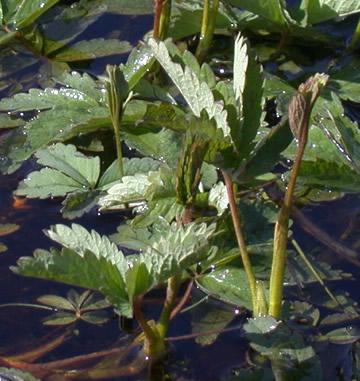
column 207, row 28
column 116, row 125
column 171, row 292
column 154, row 345
column 240, row 239
column 281, row 235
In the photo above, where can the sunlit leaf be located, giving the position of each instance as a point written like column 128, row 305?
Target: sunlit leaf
column 196, row 93
column 16, row 374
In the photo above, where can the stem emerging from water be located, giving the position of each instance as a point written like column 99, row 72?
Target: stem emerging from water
column 240, row 239
column 300, row 107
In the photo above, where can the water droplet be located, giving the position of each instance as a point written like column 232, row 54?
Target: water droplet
column 61, row 131
column 42, row 5
column 21, row 114
column 237, row 311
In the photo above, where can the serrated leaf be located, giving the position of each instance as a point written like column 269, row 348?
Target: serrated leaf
column 131, row 167
column 46, row 183
column 67, row 160
column 28, row 11
column 37, row 99
column 197, row 94
column 218, row 197
column 129, row 189
column 83, row 269
column 176, row 249
column 91, row 49
column 80, row 240
column 131, row 238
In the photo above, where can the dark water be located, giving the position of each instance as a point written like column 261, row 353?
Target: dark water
column 22, row 327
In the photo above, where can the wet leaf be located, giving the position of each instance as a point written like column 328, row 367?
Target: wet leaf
column 95, row 317
column 196, row 93
column 229, row 285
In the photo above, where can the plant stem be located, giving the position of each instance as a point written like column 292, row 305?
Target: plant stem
column 281, row 235
column 171, row 292
column 207, row 28
column 154, row 344
column 300, row 107
column 117, row 91
column 240, row 238
column 162, row 11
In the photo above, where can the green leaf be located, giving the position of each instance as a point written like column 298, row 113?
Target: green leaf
column 248, row 89
column 28, row 11
column 329, row 175
column 132, row 238
column 316, row 11
column 176, row 249
column 67, row 160
column 79, row 202
column 129, row 189
column 56, row 301
column 16, row 374
column 272, row 10
column 80, row 240
column 126, row 7
column 345, row 81
column 138, row 280
column 37, row 99
column 79, row 269
column 60, row 318
column 218, row 197
column 131, row 166
column 197, row 94
column 70, row 171
column 163, row 146
column 228, row 285
column 287, row 350
column 87, row 50
column 46, row 183
column 7, row 121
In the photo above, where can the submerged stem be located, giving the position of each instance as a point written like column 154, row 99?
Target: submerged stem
column 240, row 239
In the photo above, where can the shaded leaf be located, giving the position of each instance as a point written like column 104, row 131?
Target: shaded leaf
column 86, row 50
column 16, row 375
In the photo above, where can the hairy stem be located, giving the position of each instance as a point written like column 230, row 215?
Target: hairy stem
column 240, row 238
